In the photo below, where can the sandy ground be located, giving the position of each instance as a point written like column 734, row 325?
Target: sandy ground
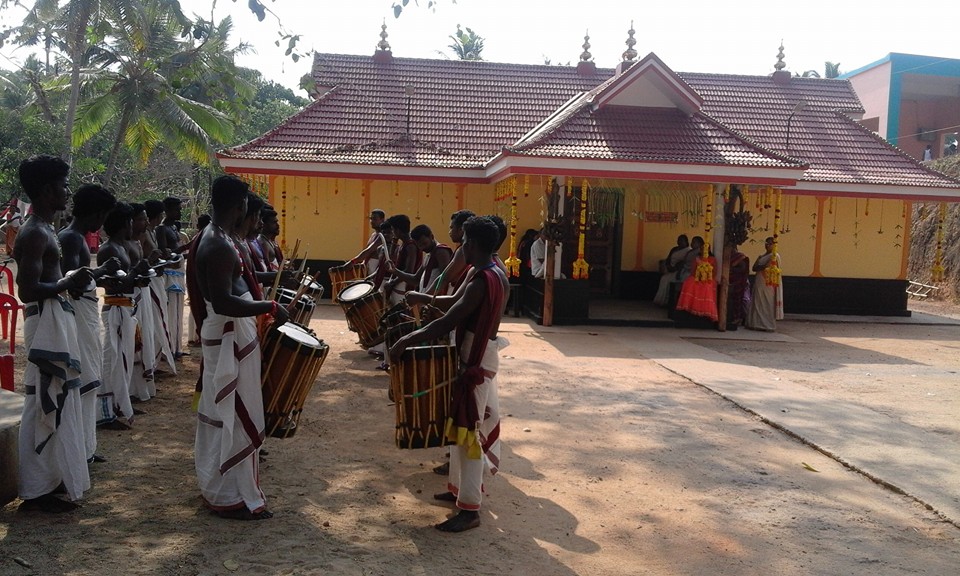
column 612, row 465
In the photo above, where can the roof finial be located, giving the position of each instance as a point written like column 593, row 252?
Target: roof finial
column 383, row 44
column 630, row 54
column 780, row 65
column 586, row 55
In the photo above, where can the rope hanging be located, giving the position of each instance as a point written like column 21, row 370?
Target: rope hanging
column 581, row 270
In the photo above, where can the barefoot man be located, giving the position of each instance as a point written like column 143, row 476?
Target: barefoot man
column 476, row 316
column 230, row 423
column 51, row 447
column 91, row 204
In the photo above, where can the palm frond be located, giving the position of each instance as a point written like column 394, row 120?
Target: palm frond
column 92, row 116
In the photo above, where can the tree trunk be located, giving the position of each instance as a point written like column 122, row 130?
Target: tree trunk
column 77, row 48
column 115, row 151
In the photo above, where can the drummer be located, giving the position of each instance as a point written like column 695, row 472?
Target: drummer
column 476, row 316
column 409, row 259
column 369, row 254
column 437, row 259
column 270, row 229
column 230, row 420
column 452, row 275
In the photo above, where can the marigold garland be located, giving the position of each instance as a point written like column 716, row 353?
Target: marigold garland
column 581, row 270
column 772, row 273
column 513, row 263
column 704, row 271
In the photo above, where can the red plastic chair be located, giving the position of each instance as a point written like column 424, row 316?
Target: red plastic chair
column 6, row 271
column 10, row 309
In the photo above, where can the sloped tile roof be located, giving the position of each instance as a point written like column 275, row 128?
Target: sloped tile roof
column 643, row 134
column 463, row 113
column 470, row 110
column 837, row 149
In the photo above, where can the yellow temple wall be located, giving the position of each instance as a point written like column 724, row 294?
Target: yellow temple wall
column 819, row 236
column 864, row 239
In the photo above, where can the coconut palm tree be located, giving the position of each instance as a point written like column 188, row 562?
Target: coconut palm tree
column 466, row 45
column 136, row 70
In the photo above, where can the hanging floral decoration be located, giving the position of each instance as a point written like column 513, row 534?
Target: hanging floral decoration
column 704, row 271
column 581, row 270
column 772, row 273
column 938, row 272
column 283, row 214
column 513, row 263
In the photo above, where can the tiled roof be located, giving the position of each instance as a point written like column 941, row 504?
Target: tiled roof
column 463, row 113
column 643, row 134
column 837, row 149
column 467, row 109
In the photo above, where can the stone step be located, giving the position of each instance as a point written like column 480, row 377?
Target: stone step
column 11, row 407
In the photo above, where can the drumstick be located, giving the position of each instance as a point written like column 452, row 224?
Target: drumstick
column 303, row 264
column 296, row 248
column 296, row 298
column 276, row 280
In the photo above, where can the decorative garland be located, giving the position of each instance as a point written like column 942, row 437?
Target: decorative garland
column 581, row 270
column 513, row 263
column 704, row 271
column 772, row 273
column 938, row 272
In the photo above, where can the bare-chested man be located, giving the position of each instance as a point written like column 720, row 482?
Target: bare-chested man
column 91, row 204
column 476, row 315
column 230, row 421
column 169, row 243
column 51, row 444
column 114, row 409
column 452, row 275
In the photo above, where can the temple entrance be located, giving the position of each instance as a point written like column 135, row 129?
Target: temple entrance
column 604, row 237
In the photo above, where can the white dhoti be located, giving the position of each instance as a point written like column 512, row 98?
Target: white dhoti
column 465, row 480
column 230, row 422
column 176, row 290
column 158, row 297
column 89, row 338
column 51, row 446
column 118, row 351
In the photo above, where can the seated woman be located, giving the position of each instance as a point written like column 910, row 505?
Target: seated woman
column 698, row 295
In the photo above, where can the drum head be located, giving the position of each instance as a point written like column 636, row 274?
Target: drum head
column 355, row 291
column 299, row 334
column 310, row 284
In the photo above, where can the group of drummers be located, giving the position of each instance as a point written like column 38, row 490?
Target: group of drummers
column 431, row 313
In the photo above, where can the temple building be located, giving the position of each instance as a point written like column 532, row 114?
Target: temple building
column 643, row 153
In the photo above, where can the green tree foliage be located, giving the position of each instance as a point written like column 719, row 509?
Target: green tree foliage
column 134, row 75
column 466, row 45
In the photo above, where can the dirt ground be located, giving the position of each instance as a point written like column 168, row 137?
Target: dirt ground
column 612, row 465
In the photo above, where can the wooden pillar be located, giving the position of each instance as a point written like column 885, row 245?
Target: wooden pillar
column 726, row 252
